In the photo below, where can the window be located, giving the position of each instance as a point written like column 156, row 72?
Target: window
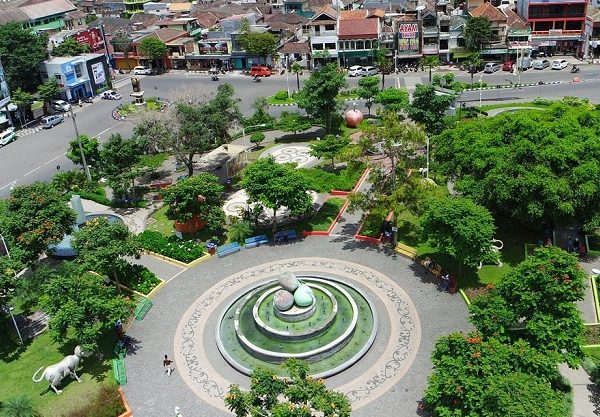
column 330, row 45
column 78, row 73
column 360, row 45
column 367, row 44
column 329, row 27
column 317, row 46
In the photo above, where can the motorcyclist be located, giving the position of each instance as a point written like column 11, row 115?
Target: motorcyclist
column 256, row 79
column 575, row 68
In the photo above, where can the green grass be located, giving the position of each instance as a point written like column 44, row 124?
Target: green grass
column 324, row 217
column 153, row 161
column 160, row 223
column 487, row 107
column 593, row 353
column 18, row 364
column 273, row 100
column 323, row 179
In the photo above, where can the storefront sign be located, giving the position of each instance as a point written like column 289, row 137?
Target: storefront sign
column 408, row 39
column 408, row 30
column 493, row 51
column 90, row 37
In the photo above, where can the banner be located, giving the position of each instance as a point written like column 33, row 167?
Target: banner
column 98, row 73
column 91, row 37
column 4, row 93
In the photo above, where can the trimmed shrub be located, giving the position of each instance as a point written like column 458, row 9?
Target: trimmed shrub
column 106, row 403
column 171, row 247
column 137, row 277
column 281, row 95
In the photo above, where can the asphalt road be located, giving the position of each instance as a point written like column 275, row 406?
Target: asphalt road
column 38, row 156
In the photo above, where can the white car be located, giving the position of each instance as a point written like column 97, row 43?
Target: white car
column 49, row 122
column 559, row 64
column 7, row 136
column 355, row 71
column 110, row 95
column 369, row 70
column 491, row 67
column 141, row 70
column 541, row 64
column 60, row 105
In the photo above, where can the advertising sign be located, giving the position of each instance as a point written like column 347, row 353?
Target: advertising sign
column 91, row 37
column 98, row 73
column 4, row 93
column 408, row 39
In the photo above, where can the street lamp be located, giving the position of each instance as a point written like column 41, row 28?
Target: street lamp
column 85, row 165
column 480, row 88
column 427, row 172
column 245, row 143
column 8, row 308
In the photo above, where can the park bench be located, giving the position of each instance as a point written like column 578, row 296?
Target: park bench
column 118, row 366
column 120, row 351
column 228, row 249
column 142, row 309
column 436, row 270
column 161, row 184
column 406, row 250
column 285, row 236
column 254, row 241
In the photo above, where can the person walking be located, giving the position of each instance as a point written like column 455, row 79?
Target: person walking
column 167, row 363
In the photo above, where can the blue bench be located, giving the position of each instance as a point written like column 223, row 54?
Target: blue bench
column 285, row 236
column 254, row 241
column 228, row 249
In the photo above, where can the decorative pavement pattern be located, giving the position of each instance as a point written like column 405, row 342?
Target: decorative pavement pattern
column 299, row 154
column 399, row 347
column 238, row 202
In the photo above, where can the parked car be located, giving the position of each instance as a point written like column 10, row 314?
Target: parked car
column 260, row 71
column 525, row 63
column 110, row 95
column 369, row 70
column 491, row 67
column 559, row 64
column 508, row 66
column 60, row 105
column 141, row 70
column 7, row 136
column 49, row 122
column 355, row 71
column 541, row 64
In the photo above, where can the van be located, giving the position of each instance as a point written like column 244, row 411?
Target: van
column 260, row 71
column 491, row 67
column 525, row 63
column 7, row 136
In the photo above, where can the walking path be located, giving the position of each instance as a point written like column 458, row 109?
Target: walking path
column 585, row 392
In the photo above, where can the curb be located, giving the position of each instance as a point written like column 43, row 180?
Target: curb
column 464, row 297
column 128, row 412
column 176, row 262
column 595, row 296
column 327, row 232
column 503, row 86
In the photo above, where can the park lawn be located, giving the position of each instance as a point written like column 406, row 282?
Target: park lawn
column 18, row 364
column 323, row 179
column 487, row 107
column 324, row 217
column 593, row 353
column 272, row 100
column 160, row 223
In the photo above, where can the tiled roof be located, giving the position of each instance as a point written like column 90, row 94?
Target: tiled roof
column 295, row 48
column 165, row 34
column 353, row 14
column 513, row 20
column 357, row 28
column 205, row 19
column 487, row 10
column 75, row 14
column 327, row 11
column 46, row 8
column 12, row 15
column 289, row 18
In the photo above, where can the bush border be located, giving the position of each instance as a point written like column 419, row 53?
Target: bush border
column 176, row 262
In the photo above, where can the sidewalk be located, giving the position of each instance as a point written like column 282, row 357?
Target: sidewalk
column 585, row 393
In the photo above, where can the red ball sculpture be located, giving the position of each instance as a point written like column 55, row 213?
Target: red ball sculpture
column 353, row 118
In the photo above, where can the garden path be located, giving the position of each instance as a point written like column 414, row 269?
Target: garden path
column 585, row 393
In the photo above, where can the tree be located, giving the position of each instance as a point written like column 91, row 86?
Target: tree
column 36, row 216
column 239, row 231
column 536, row 301
column 393, row 99
column 478, row 31
column 500, row 163
column 221, row 113
column 80, row 301
column 22, row 51
column 154, row 49
column 276, row 185
column 198, row 196
column 473, row 63
column 261, row 115
column 70, row 47
column 102, row 246
column 48, row 91
column 319, row 95
column 380, row 58
column 122, row 43
column 258, row 44
column 154, row 131
column 460, row 228
column 119, row 163
column 429, row 108
column 431, row 61
column 299, row 396
column 91, row 151
column 19, row 406
column 257, row 138
column 297, row 69
column 23, row 100
column 330, row 147
column 293, row 122
column 368, row 87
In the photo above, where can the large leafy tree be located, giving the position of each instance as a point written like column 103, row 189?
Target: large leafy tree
column 36, row 216
column 478, row 31
column 297, row 396
column 429, row 108
column 261, row 114
column 258, row 44
column 368, row 87
column 329, row 147
column 537, row 167
column 91, row 151
column 221, row 113
column 70, row 47
column 536, row 301
column 200, row 195
column 119, row 163
column 473, row 63
column 380, row 58
column 277, row 185
column 22, row 51
column 459, row 227
column 80, row 302
column 293, row 122
column 393, row 99
column 297, row 69
column 23, row 100
column 48, row 91
column 431, row 61
column 122, row 42
column 154, row 49
column 318, row 97
column 102, row 246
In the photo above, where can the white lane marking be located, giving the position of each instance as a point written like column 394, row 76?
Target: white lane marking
column 106, row 130
column 33, row 170
column 52, row 160
column 9, row 184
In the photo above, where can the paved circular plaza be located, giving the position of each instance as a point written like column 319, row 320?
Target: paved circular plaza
column 299, row 154
column 238, row 201
column 412, row 313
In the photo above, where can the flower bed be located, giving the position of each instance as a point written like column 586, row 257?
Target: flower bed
column 324, row 181
column 106, row 403
column 137, row 277
column 322, row 220
column 591, row 334
column 171, row 247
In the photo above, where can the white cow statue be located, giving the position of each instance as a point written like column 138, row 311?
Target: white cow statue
column 54, row 374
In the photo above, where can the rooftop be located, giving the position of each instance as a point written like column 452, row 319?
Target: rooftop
column 37, row 10
column 357, row 28
column 493, row 14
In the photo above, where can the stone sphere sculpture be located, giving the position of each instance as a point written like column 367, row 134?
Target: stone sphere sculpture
column 303, row 296
column 283, row 300
column 288, row 281
column 353, row 118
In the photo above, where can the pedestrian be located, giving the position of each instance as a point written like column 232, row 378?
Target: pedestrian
column 570, row 245
column 445, row 280
column 576, row 245
column 177, row 411
column 167, row 363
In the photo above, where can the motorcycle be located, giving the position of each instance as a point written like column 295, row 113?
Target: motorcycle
column 88, row 100
column 256, row 80
column 215, row 78
column 574, row 70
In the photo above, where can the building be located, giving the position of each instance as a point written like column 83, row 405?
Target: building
column 592, row 50
column 322, row 32
column 78, row 76
column 557, row 26
column 40, row 16
column 358, row 34
column 212, row 50
column 408, row 49
column 134, row 6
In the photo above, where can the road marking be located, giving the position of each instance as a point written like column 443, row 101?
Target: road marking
column 106, row 130
column 33, row 170
column 176, row 275
column 52, row 160
column 9, row 184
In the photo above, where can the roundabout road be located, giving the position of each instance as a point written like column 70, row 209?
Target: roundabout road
column 412, row 310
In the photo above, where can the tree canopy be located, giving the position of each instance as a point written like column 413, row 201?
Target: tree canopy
column 431, row 61
column 154, row 49
column 329, row 147
column 293, row 122
column 393, row 99
column 91, row 150
column 429, row 108
column 22, row 51
column 48, row 91
column 258, row 44
column 534, row 166
column 478, row 31
column 119, row 158
column 70, row 47
column 318, row 97
column 368, row 87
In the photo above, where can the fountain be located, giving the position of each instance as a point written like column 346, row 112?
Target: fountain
column 318, row 319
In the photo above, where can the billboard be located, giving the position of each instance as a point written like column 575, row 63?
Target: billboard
column 98, row 73
column 409, row 41
column 91, row 37
column 4, row 93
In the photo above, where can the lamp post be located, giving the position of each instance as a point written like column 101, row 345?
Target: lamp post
column 85, row 165
column 245, row 143
column 427, row 172
column 8, row 308
column 480, row 88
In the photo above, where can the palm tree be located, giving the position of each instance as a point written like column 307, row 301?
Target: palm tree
column 239, row 231
column 380, row 58
column 297, row 69
column 430, row 62
column 20, row 406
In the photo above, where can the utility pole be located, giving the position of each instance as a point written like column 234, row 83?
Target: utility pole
column 85, row 165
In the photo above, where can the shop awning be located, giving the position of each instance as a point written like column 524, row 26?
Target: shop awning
column 462, row 54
